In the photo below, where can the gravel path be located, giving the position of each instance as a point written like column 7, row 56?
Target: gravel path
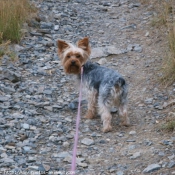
column 38, row 102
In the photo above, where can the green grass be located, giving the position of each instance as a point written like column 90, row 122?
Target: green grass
column 13, row 13
column 168, row 126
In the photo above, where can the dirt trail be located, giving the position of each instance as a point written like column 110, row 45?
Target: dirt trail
column 132, row 152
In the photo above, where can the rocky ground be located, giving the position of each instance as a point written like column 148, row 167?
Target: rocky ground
column 38, row 102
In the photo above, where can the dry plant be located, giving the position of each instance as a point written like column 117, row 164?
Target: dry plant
column 4, row 48
column 169, row 62
column 169, row 124
column 12, row 14
column 163, row 9
column 165, row 20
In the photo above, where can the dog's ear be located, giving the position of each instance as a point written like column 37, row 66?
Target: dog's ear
column 84, row 44
column 62, row 45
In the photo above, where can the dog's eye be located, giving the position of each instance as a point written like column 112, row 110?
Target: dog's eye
column 68, row 56
column 78, row 56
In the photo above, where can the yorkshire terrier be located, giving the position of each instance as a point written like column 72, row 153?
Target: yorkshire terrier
column 104, row 87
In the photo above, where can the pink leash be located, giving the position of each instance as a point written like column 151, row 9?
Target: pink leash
column 73, row 166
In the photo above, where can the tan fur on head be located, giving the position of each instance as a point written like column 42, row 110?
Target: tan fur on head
column 84, row 44
column 62, row 46
column 73, row 56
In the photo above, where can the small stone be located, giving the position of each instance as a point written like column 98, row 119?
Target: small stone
column 151, row 168
column 106, row 4
column 9, row 147
column 79, row 160
column 101, row 31
column 41, row 168
column 130, row 140
column 98, row 53
column 132, row 26
column 3, row 98
column 87, row 141
column 68, row 159
column 31, row 159
column 49, row 108
column 131, row 147
column 23, row 137
column 4, row 155
column 102, row 61
column 66, row 144
column 134, row 5
column 12, row 76
column 102, row 141
column 138, row 48
column 130, row 47
column 18, row 48
column 56, row 27
column 149, row 101
column 73, row 105
column 47, row 92
column 33, row 168
column 7, row 160
column 132, row 132
column 26, row 126
column 147, row 142
column 171, row 164
column 27, row 148
column 7, row 89
column 171, row 157
column 161, row 154
column 84, row 165
column 135, row 155
column 46, row 167
column 120, row 173
column 147, row 34
column 167, row 142
column 113, row 50
column 62, row 155
column 112, row 170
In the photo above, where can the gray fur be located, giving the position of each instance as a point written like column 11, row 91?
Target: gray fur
column 104, row 88
column 103, row 80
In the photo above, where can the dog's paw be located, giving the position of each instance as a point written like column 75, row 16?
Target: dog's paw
column 89, row 115
column 127, row 124
column 107, row 128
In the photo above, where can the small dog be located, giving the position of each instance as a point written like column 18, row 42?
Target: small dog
column 105, row 87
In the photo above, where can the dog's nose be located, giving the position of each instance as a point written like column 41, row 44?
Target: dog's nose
column 72, row 62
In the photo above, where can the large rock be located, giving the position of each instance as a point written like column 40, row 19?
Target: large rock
column 87, row 141
column 105, row 51
column 12, row 76
column 151, row 168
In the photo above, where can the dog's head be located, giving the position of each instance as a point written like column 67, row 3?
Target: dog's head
column 73, row 56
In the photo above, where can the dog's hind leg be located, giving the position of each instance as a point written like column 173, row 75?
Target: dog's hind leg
column 123, row 114
column 104, row 111
column 92, row 103
column 120, row 94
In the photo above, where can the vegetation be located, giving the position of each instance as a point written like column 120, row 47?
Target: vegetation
column 12, row 15
column 169, row 124
column 165, row 18
column 165, row 21
column 4, row 48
